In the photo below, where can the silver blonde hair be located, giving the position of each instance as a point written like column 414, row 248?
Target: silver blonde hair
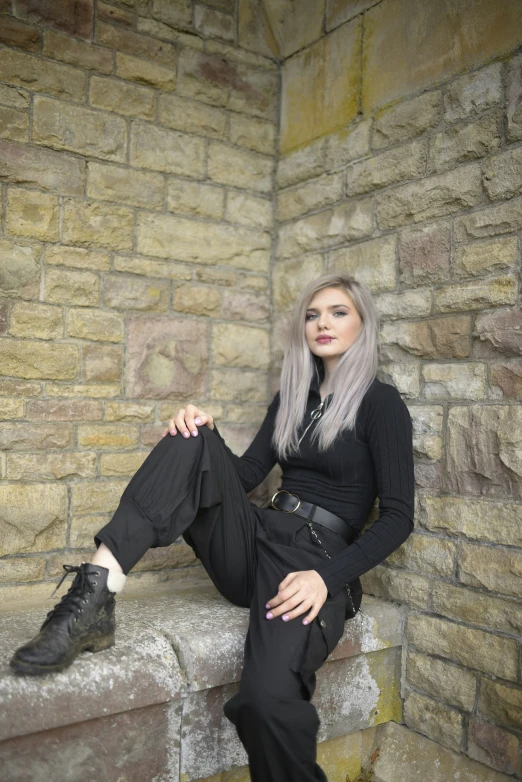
column 349, row 382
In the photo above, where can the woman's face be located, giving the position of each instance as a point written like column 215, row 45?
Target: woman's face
column 332, row 316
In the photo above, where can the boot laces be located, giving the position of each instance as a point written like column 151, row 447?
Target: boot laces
column 71, row 602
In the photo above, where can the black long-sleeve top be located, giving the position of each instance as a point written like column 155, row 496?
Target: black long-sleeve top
column 375, row 459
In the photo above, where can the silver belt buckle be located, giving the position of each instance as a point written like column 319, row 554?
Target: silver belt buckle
column 279, row 491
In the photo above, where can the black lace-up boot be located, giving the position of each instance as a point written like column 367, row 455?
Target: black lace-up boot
column 83, row 620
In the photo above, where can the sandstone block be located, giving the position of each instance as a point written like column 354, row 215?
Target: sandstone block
column 240, row 346
column 14, row 96
column 388, row 168
column 197, row 300
column 493, row 746
column 214, row 24
column 237, row 386
column 11, row 408
column 20, row 270
column 491, row 221
column 95, row 224
column 498, row 333
column 373, row 262
column 14, row 124
column 401, row 585
column 129, row 411
column 123, row 98
column 314, row 194
column 76, row 21
column 326, row 74
column 136, row 293
column 433, row 719
column 249, row 210
column 50, row 466
column 410, row 304
column 218, row 276
column 66, row 126
column 166, row 358
column 495, row 569
column 431, row 197
column 26, row 569
column 39, row 360
column 477, row 294
column 147, row 268
column 118, row 465
column 473, row 93
column 109, row 13
column 23, row 36
column 345, row 222
column 102, row 363
column 253, row 133
column 36, row 437
column 166, row 150
column 286, row 276
column 190, row 116
column 42, row 168
column 10, row 387
column 84, row 55
column 80, row 390
column 177, row 14
column 36, row 320
column 505, row 380
column 77, row 257
column 96, row 496
column 147, row 47
column 406, row 119
column 339, row 11
column 32, row 214
column 301, row 164
column 427, row 554
column 254, row 30
column 95, row 325
column 195, row 198
column 33, row 517
column 149, row 73
column 65, row 286
column 230, row 166
column 461, row 143
column 474, row 607
column 498, row 255
column 107, row 436
column 454, row 381
column 115, row 183
column 348, row 143
column 514, row 100
column 242, row 305
column 501, row 702
column 169, row 409
column 427, row 430
column 431, row 338
column 439, row 678
column 38, row 75
column 473, row 648
column 503, row 174
column 177, row 238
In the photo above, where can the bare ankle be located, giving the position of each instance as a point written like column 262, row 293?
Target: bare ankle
column 105, row 558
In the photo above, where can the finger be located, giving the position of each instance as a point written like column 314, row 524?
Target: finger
column 302, row 608
column 190, row 412
column 311, row 616
column 172, row 426
column 286, row 606
column 181, row 424
column 287, row 580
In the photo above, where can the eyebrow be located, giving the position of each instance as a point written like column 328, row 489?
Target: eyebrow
column 332, row 307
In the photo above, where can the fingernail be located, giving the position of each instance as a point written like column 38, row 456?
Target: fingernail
column 285, row 618
column 194, row 433
column 172, row 431
column 270, row 615
column 305, row 621
column 185, row 434
column 197, row 420
column 267, row 605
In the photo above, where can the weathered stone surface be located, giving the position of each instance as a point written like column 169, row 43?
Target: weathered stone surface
column 314, row 194
column 249, row 210
column 473, row 648
column 491, row 221
column 107, row 436
column 20, row 269
column 302, row 164
column 77, row 257
column 387, row 168
column 372, row 262
column 431, row 197
column 287, row 273
column 12, row 408
column 35, row 437
column 121, row 97
column 116, row 465
column 411, row 304
column 102, row 363
column 256, row 282
column 14, row 124
column 399, row 585
column 236, row 54
column 50, row 466
column 514, row 100
column 406, row 119
column 85, row 55
column 474, row 607
column 32, row 214
column 90, row 391
column 214, row 24
column 76, row 21
column 460, row 143
column 279, row 29
column 476, row 295
column 33, row 517
column 197, row 300
column 26, row 569
column 10, row 387
column 242, row 305
column 255, row 30
column 195, row 198
column 230, row 166
column 342, row 223
column 94, row 224
column 433, row 719
column 493, row 746
column 326, row 74
column 240, row 346
column 166, row 150
column 427, row 431
column 109, row 13
column 483, row 450
column 503, row 174
column 501, row 702
column 36, row 359
column 147, row 268
column 426, row 554
column 95, row 324
column 454, row 381
column 497, row 255
column 505, row 380
column 63, row 410
column 144, row 46
column 36, row 320
column 473, row 93
column 176, row 14
column 348, row 143
column 115, row 183
column 442, row 679
column 96, row 496
column 253, row 133
column 177, row 238
column 493, row 522
column 496, row 569
column 38, row 75
column 23, row 36
column 66, row 126
column 237, row 385
column 148, row 73
column 190, row 116
column 339, row 11
column 129, row 411
column 166, row 358
column 65, row 286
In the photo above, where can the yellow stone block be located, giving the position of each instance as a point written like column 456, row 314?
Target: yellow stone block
column 106, row 436
column 32, row 214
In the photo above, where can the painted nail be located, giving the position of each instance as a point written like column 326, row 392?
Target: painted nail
column 305, row 621
column 172, row 431
column 163, row 435
column 197, row 420
column 194, row 433
column 186, row 434
column 270, row 615
column 267, row 605
column 285, row 618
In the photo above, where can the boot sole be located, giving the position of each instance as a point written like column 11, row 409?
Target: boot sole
column 30, row 669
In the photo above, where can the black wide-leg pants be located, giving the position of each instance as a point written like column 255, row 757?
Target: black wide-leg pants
column 190, row 487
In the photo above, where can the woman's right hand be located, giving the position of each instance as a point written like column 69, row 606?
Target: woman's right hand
column 187, row 421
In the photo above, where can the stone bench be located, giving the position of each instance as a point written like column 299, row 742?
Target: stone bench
column 150, row 708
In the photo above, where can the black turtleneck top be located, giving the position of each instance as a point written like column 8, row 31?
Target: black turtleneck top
column 374, row 460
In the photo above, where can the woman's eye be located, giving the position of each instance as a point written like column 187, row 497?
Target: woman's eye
column 340, row 312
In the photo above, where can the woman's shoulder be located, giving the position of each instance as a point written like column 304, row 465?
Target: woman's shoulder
column 380, row 395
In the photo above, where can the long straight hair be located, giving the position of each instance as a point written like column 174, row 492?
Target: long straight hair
column 348, row 383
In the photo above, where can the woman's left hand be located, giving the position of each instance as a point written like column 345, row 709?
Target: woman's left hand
column 301, row 591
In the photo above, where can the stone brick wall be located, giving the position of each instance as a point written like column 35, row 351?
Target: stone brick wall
column 402, row 164
column 137, row 146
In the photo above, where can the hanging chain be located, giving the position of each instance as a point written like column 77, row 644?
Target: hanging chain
column 319, row 543
column 315, row 414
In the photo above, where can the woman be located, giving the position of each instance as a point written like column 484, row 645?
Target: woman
column 342, row 437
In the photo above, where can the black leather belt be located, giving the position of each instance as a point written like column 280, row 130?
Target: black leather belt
column 290, row 503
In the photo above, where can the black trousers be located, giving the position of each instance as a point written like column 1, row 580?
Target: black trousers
column 190, row 487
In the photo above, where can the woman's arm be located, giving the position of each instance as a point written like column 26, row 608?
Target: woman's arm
column 260, row 456
column 389, row 435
